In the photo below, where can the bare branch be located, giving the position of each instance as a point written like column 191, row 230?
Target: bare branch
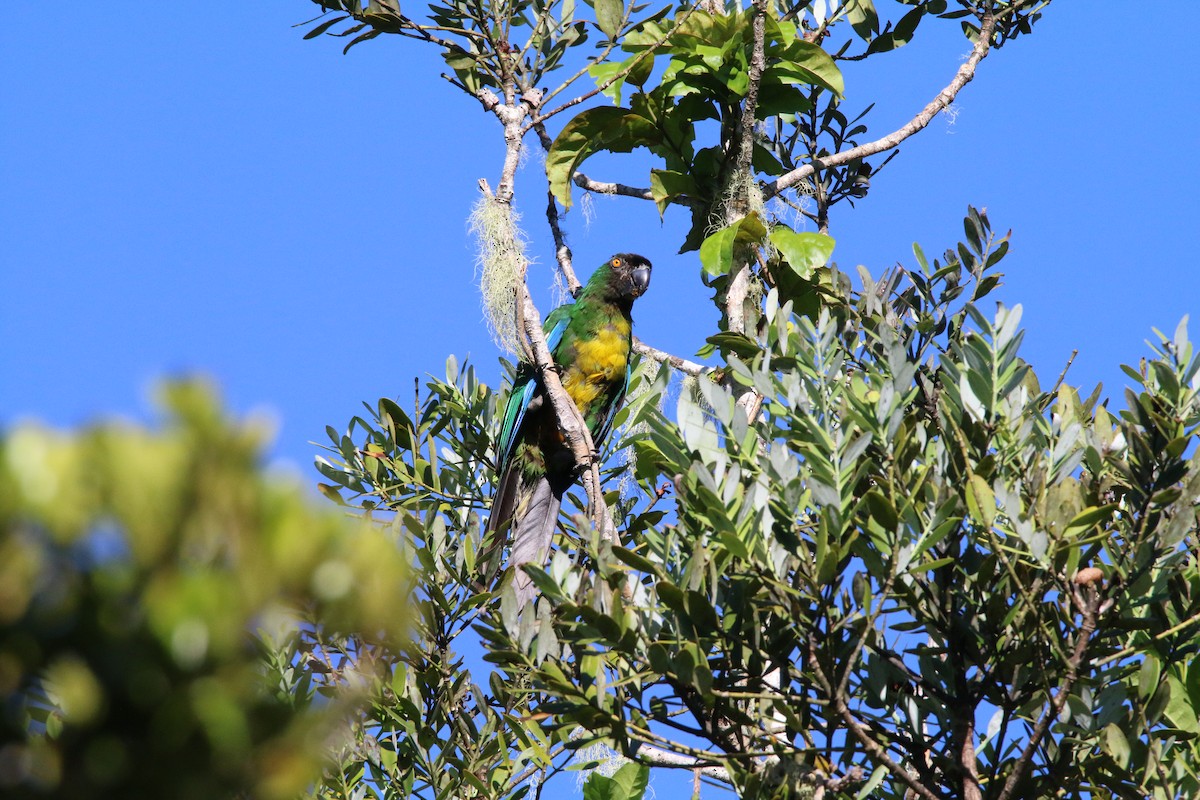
column 873, row 748
column 944, row 98
column 562, row 253
column 681, row 364
column 658, row 757
column 600, row 187
column 1087, row 600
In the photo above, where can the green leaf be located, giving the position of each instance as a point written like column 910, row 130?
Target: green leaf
column 1087, row 519
column 324, row 26
column 871, row 784
column 900, row 35
column 609, row 16
column 632, row 780
column 863, row 18
column 638, row 562
column 332, row 493
column 666, row 185
column 1179, row 710
column 717, row 251
column 1116, row 745
column 605, row 128
column 737, row 343
column 800, row 61
column 1148, row 676
column 981, row 502
column 604, row 72
column 671, row 596
column 882, row 510
column 803, row 252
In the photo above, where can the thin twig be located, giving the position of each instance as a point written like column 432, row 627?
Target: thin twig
column 601, row 187
column 1089, row 608
column 562, row 253
column 873, row 748
column 944, row 98
column 1128, row 651
column 676, row 362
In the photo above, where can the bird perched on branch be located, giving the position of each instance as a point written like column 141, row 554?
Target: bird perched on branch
column 590, row 341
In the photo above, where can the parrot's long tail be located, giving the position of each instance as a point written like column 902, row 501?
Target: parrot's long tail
column 524, row 512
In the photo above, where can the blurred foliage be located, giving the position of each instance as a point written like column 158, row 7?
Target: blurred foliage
column 157, row 589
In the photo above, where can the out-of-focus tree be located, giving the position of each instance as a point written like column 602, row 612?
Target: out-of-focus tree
column 159, row 592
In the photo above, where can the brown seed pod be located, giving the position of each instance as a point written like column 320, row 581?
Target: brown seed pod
column 1088, row 575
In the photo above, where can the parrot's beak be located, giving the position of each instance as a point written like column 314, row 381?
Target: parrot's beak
column 641, row 280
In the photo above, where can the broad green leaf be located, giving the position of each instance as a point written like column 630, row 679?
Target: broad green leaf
column 863, row 18
column 1148, row 675
column 981, row 502
column 899, row 35
column 801, row 61
column 605, row 128
column 666, row 185
column 803, row 252
column 1179, row 710
column 632, row 780
column 609, row 16
column 717, row 251
column 1087, row 519
column 1116, row 745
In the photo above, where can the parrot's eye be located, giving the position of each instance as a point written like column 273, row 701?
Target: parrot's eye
column 616, row 262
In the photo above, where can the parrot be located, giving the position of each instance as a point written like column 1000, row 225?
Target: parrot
column 591, row 341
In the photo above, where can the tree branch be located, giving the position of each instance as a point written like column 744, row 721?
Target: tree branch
column 754, row 72
column 570, row 422
column 657, row 757
column 600, row 187
column 944, row 98
column 1089, row 608
column 873, row 748
column 681, row 364
column 562, row 253
column 739, row 206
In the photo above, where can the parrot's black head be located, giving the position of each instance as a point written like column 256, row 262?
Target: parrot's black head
column 629, row 275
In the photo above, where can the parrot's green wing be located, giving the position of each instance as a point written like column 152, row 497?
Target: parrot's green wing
column 525, row 386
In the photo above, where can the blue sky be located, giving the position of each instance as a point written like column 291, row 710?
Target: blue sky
column 191, row 190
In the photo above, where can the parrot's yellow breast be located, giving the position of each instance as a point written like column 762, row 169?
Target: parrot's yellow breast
column 599, row 363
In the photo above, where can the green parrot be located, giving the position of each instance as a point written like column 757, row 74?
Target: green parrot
column 590, row 340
